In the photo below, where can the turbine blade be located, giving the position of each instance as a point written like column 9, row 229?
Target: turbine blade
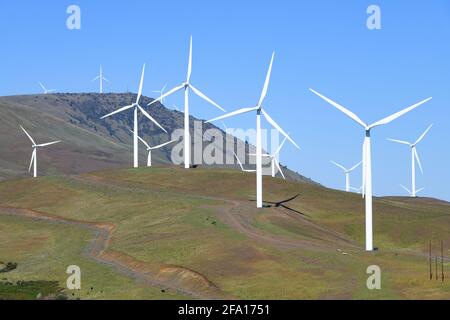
column 168, row 93
column 204, row 97
column 234, row 113
column 189, row 62
column 142, row 140
column 398, row 114
column 33, row 155
column 276, row 126
column 279, row 168
column 420, row 190
column 356, row 166
column 280, row 147
column 105, row 79
column 266, row 83
column 239, row 161
column 162, row 145
column 341, row 108
column 338, row 165
column 140, row 84
column 416, row 155
column 151, row 118
column 34, row 143
column 423, row 134
column 400, row 141
column 47, row 144
column 42, row 86
column 164, row 88
column 118, row 110
column 406, row 189
column 96, row 78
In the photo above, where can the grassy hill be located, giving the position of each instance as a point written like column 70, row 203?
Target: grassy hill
column 168, row 233
column 88, row 143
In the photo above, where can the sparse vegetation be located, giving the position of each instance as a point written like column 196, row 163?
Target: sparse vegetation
column 164, row 219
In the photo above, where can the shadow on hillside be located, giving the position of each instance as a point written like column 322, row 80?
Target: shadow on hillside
column 282, row 203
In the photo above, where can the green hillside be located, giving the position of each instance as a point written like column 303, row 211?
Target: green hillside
column 88, row 143
column 170, row 233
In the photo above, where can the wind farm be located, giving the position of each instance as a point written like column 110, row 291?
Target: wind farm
column 125, row 196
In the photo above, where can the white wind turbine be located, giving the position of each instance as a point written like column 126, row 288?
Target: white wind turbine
column 101, row 78
column 357, row 190
column 414, row 157
column 33, row 161
column 274, row 163
column 46, row 91
column 240, row 164
column 186, row 86
column 161, row 92
column 137, row 107
column 274, row 160
column 150, row 149
column 367, row 157
column 347, row 174
column 259, row 109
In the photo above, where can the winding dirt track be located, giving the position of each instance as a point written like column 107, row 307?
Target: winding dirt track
column 178, row 279
column 236, row 214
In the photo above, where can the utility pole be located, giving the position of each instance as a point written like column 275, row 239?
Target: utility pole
column 442, row 260
column 436, row 259
column 431, row 270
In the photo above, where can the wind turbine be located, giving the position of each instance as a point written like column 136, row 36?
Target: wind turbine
column 161, row 92
column 347, row 174
column 150, row 149
column 357, row 190
column 240, row 164
column 186, row 86
column 414, row 157
column 367, row 157
column 101, row 78
column 45, row 89
column 259, row 109
column 274, row 160
column 33, row 161
column 410, row 192
column 136, row 107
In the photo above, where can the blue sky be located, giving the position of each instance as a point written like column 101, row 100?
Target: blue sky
column 320, row 44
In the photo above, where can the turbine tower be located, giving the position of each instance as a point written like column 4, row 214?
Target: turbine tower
column 45, row 89
column 347, row 174
column 136, row 106
column 259, row 110
column 101, row 78
column 414, row 157
column 35, row 146
column 186, row 86
column 367, row 157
